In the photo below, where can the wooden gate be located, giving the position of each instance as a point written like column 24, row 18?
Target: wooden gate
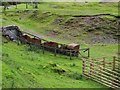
column 104, row 72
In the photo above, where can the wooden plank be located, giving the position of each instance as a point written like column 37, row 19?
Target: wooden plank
column 104, row 68
column 97, row 80
column 105, row 80
column 114, row 62
column 109, row 63
column 103, row 75
column 102, row 82
column 104, row 63
column 105, row 72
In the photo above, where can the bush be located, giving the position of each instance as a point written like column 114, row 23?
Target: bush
column 72, row 65
column 59, row 70
column 34, row 48
column 75, row 76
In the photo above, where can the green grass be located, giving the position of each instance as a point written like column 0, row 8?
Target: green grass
column 34, row 68
column 108, row 51
column 63, row 8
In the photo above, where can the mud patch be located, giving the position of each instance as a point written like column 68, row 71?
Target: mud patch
column 93, row 29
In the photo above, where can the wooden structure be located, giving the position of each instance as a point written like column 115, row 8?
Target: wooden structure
column 70, row 49
column 73, row 46
column 27, row 38
column 51, row 44
column 102, row 71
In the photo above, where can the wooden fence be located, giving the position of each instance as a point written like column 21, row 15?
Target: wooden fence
column 58, row 50
column 55, row 50
column 102, row 71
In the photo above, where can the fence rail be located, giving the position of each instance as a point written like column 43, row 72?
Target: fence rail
column 56, row 50
column 106, row 75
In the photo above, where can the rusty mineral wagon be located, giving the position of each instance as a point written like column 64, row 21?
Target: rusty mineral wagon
column 50, row 46
column 70, row 49
column 27, row 39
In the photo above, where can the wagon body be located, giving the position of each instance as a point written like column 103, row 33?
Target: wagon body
column 29, row 40
column 50, row 46
column 70, row 49
column 36, row 41
column 73, row 46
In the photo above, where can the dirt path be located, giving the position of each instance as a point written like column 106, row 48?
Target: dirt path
column 35, row 33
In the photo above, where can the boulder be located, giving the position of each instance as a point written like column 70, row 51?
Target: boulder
column 13, row 32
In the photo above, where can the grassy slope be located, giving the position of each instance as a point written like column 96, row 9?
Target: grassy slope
column 34, row 71
column 74, row 8
column 0, row 62
column 22, row 68
column 59, row 9
column 43, row 23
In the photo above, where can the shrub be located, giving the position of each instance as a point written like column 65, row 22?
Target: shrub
column 72, row 65
column 75, row 76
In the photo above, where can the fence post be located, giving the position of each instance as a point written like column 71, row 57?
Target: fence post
column 83, row 67
column 88, row 52
column 17, row 41
column 91, row 67
column 55, row 52
column 70, row 55
column 43, row 49
column 103, row 63
column 100, row 73
column 114, row 58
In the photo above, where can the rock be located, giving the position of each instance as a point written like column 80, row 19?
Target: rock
column 12, row 32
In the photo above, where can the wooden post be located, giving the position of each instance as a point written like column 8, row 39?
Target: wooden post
column 43, row 49
column 70, row 55
column 83, row 67
column 114, row 58
column 16, row 5
column 88, row 52
column 26, row 5
column 91, row 65
column 18, row 41
column 103, row 63
column 55, row 52
column 113, row 70
column 100, row 73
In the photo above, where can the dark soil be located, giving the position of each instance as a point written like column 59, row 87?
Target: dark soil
column 90, row 29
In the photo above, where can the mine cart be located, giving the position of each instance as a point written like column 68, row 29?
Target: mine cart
column 50, row 46
column 74, row 49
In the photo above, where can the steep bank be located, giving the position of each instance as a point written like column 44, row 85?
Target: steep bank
column 89, row 23
column 90, row 29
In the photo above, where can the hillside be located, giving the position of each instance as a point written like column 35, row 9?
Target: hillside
column 92, row 25
column 40, row 70
column 81, row 22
